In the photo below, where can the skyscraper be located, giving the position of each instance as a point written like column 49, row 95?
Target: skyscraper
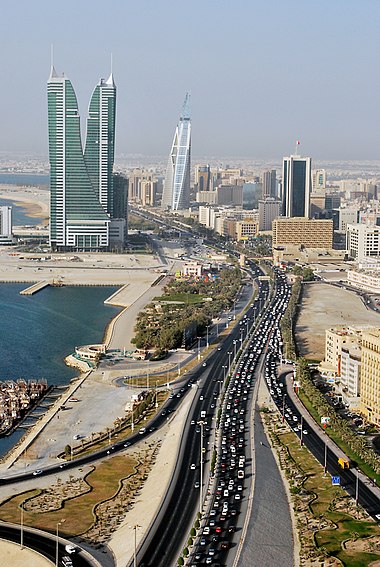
column 176, row 193
column 80, row 185
column 296, row 186
column 100, row 141
column 269, row 184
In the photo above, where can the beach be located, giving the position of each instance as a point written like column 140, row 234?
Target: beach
column 34, row 200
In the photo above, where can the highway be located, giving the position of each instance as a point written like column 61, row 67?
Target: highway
column 164, row 543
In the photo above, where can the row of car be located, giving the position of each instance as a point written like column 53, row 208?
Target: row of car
column 221, row 520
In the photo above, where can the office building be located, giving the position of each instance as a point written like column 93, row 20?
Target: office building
column 370, row 376
column 6, row 235
column 303, row 232
column 78, row 219
column 120, row 196
column 366, row 280
column 252, row 192
column 346, row 217
column 362, row 241
column 269, row 184
column 229, row 195
column 100, row 141
column 318, row 181
column 296, row 186
column 203, row 180
column 176, row 193
column 269, row 209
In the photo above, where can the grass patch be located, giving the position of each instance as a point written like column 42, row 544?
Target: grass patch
column 333, row 522
column 78, row 512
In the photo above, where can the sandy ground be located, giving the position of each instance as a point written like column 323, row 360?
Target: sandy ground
column 325, row 306
column 13, row 556
column 34, row 199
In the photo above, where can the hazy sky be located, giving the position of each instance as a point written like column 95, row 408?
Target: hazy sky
column 262, row 73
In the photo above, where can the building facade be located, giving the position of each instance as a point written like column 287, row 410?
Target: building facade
column 303, row 232
column 370, row 376
column 78, row 184
column 269, row 209
column 363, row 240
column 269, row 184
column 176, row 193
column 296, row 186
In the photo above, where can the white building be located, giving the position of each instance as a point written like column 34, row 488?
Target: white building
column 5, row 221
column 346, row 217
column 350, row 368
column 367, row 280
column 363, row 240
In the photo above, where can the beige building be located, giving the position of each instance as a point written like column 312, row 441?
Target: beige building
column 370, row 376
column 246, row 229
column 367, row 280
column 191, row 270
column 300, row 231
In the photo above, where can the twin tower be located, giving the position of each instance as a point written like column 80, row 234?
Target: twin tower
column 81, row 182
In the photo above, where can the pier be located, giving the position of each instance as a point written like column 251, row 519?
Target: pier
column 35, row 287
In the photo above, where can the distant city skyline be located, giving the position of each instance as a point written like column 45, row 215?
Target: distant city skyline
column 261, row 74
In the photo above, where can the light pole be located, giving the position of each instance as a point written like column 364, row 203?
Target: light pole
column 134, row 528
column 357, row 488
column 156, row 404
column 57, row 541
column 201, row 423
column 301, row 430
column 132, row 420
column 147, row 378
column 325, row 465
column 22, row 526
column 235, row 341
column 234, row 309
column 199, row 348
column 225, row 370
column 207, row 343
column 283, row 408
column 229, row 362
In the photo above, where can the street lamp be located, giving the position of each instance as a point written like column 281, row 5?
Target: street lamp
column 22, row 526
column 57, row 541
column 283, row 408
column 229, row 362
column 199, row 348
column 234, row 309
column 325, row 465
column 357, row 488
column 132, row 420
column 201, row 423
column 235, row 341
column 156, row 404
column 147, row 378
column 134, row 528
column 301, row 430
column 207, row 344
column 225, row 370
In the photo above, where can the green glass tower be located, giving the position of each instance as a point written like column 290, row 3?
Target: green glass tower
column 79, row 213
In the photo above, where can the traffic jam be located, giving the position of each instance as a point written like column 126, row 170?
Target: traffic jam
column 232, row 476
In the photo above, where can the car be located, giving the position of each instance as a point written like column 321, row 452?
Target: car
column 212, row 523
column 211, row 551
column 204, row 364
column 36, row 472
column 193, row 466
column 142, row 431
column 66, row 561
column 71, row 548
column 76, row 437
column 196, row 485
column 237, row 496
column 126, row 444
column 218, row 529
column 203, row 541
column 206, row 530
column 224, row 545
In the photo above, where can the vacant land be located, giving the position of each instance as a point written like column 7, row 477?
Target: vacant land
column 325, row 306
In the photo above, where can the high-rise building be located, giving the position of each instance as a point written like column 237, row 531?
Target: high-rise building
column 176, row 193
column 203, row 178
column 100, row 141
column 318, row 180
column 296, row 186
column 269, row 184
column 80, row 186
column 269, row 209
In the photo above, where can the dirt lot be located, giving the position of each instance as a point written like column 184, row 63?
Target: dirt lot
column 325, row 306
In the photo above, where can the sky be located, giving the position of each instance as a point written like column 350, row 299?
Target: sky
column 261, row 73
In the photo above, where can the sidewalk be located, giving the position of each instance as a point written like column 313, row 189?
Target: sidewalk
column 322, row 434
column 13, row 556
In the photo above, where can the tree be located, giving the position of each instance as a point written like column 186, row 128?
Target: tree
column 68, row 450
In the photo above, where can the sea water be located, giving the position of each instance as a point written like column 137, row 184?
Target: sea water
column 38, row 331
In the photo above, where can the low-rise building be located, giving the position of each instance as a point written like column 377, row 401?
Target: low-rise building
column 370, row 376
